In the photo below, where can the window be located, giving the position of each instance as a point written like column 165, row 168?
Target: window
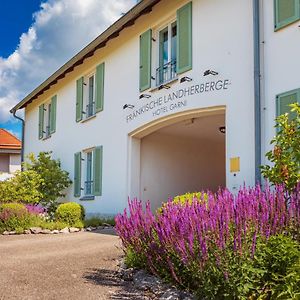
column 284, row 100
column 47, row 118
column 90, row 94
column 88, row 173
column 286, row 12
column 173, row 53
column 88, row 184
column 166, row 70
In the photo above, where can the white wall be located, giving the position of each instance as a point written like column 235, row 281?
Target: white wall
column 4, row 163
column 281, row 65
column 173, row 165
column 14, row 163
column 221, row 42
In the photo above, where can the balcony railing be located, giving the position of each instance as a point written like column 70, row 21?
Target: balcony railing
column 47, row 131
column 88, row 188
column 166, row 73
column 90, row 109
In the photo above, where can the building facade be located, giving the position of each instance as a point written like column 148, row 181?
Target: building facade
column 10, row 154
column 176, row 96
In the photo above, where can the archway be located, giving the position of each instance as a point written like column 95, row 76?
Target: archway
column 178, row 154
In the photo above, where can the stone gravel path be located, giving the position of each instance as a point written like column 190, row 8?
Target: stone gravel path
column 69, row 266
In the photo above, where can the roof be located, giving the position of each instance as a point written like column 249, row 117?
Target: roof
column 9, row 141
column 141, row 8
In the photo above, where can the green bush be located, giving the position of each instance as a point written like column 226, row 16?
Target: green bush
column 55, row 180
column 14, row 217
column 185, row 198
column 97, row 221
column 70, row 213
column 276, row 269
column 285, row 156
column 23, row 187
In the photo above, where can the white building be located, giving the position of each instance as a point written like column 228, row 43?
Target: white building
column 175, row 96
column 10, row 154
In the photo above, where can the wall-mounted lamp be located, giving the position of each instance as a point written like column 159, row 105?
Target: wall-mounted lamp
column 84, row 83
column 145, row 96
column 210, row 72
column 153, row 39
column 222, row 129
column 152, row 77
column 163, row 86
column 185, row 78
column 128, row 106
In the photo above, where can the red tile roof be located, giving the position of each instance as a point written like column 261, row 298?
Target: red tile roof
column 9, row 141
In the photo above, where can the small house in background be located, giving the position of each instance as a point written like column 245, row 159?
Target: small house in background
column 10, row 154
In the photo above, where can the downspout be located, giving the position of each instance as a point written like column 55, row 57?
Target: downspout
column 257, row 89
column 23, row 136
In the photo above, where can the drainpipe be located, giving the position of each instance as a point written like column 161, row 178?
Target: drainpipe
column 257, row 88
column 23, row 136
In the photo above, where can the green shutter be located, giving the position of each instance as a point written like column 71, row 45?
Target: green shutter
column 145, row 60
column 53, row 114
column 99, row 87
column 77, row 174
column 98, row 157
column 41, row 120
column 284, row 100
column 184, row 38
column 79, row 99
column 286, row 12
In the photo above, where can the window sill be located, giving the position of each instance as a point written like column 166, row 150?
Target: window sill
column 87, row 198
column 46, row 138
column 170, row 82
column 87, row 119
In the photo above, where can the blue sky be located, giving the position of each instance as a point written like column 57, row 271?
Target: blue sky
column 13, row 22
column 38, row 36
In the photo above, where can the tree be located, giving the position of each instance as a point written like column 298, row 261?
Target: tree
column 55, row 180
column 285, row 155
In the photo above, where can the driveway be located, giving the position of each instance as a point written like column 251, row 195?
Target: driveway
column 65, row 266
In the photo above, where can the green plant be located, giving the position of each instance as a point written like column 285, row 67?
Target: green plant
column 285, row 156
column 276, row 267
column 70, row 213
column 23, row 187
column 55, row 180
column 98, row 221
column 14, row 217
column 184, row 199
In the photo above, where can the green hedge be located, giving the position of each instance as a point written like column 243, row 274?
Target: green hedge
column 70, row 213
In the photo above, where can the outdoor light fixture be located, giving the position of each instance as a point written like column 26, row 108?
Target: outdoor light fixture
column 153, row 39
column 163, row 86
column 185, row 78
column 84, row 83
column 145, row 96
column 152, row 77
column 210, row 72
column 222, row 129
column 128, row 106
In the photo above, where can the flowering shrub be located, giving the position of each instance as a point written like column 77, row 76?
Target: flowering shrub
column 210, row 246
column 70, row 213
column 35, row 209
column 14, row 216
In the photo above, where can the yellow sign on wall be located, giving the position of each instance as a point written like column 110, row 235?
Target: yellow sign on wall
column 235, row 164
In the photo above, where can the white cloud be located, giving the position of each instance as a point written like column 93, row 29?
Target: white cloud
column 60, row 29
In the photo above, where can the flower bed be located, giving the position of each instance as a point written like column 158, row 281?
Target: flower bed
column 224, row 247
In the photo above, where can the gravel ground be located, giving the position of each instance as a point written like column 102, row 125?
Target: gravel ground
column 65, row 266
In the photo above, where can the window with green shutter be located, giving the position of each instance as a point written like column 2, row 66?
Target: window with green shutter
column 284, row 100
column 52, row 109
column 286, row 12
column 77, row 174
column 145, row 60
column 97, row 170
column 99, row 87
column 184, row 38
column 79, row 99
column 41, row 120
